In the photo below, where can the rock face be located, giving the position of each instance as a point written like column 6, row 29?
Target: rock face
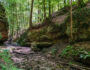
column 46, row 36
column 58, row 29
column 81, row 24
column 3, row 25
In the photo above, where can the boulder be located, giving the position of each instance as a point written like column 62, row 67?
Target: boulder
column 36, row 46
column 46, row 36
column 3, row 25
column 48, row 33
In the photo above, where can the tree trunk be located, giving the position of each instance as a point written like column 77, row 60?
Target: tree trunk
column 58, row 6
column 39, row 11
column 71, row 20
column 30, row 23
column 44, row 5
column 49, row 8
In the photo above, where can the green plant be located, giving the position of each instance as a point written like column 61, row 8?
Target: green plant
column 6, row 62
column 0, row 35
column 67, row 51
column 85, row 55
column 74, row 52
column 54, row 51
column 22, row 40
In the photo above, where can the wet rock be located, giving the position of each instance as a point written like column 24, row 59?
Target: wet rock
column 17, row 60
column 23, row 50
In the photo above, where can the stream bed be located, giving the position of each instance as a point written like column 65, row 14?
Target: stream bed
column 26, row 59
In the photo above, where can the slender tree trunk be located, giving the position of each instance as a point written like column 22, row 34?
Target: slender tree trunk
column 13, row 23
column 38, row 14
column 44, row 5
column 17, row 21
column 30, row 23
column 58, row 6
column 49, row 8
column 52, row 10
column 71, row 19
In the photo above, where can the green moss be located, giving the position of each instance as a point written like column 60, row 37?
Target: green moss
column 48, row 33
column 36, row 46
column 81, row 26
column 3, row 23
column 0, row 36
column 23, row 39
column 76, row 53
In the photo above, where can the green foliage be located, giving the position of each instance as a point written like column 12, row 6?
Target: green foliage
column 0, row 36
column 6, row 62
column 68, row 51
column 83, row 14
column 71, row 51
column 81, row 26
column 18, row 12
column 54, row 51
column 85, row 55
column 22, row 39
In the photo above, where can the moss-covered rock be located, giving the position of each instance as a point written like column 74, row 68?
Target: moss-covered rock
column 3, row 24
column 52, row 32
column 36, row 46
column 47, row 33
column 46, row 36
column 81, row 24
column 23, row 40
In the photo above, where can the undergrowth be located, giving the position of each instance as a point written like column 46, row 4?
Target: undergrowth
column 71, row 51
column 6, row 62
column 0, row 36
column 22, row 40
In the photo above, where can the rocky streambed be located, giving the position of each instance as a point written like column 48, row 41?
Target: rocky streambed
column 26, row 59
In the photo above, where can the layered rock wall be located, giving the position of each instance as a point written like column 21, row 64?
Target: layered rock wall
column 3, row 25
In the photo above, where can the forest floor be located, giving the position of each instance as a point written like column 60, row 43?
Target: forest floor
column 26, row 59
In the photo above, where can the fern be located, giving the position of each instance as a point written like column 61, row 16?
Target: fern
column 6, row 62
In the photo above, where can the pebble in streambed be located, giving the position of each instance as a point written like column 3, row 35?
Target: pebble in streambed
column 36, row 62
column 24, row 58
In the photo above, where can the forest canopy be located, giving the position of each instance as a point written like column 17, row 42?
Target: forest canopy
column 18, row 11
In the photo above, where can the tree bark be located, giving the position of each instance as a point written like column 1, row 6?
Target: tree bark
column 39, row 11
column 71, row 20
column 49, row 8
column 31, row 13
column 44, row 5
